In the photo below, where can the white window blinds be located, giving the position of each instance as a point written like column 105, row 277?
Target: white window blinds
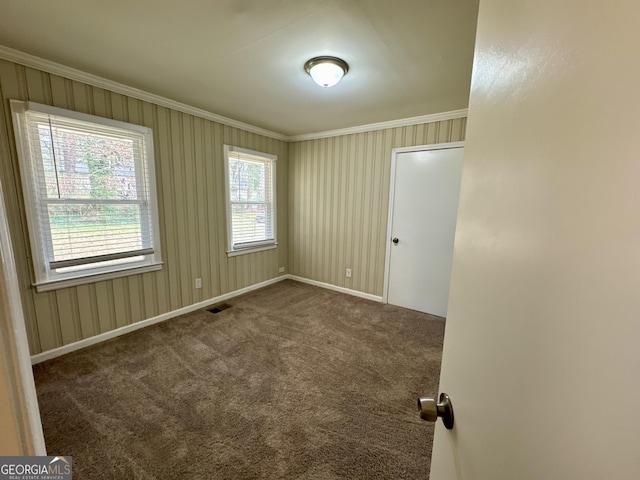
column 88, row 188
column 250, row 198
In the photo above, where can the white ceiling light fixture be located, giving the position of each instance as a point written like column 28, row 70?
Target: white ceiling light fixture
column 326, row 71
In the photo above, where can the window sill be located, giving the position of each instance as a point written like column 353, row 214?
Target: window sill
column 244, row 251
column 99, row 277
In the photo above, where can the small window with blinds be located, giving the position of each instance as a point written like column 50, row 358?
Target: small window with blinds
column 89, row 190
column 251, row 204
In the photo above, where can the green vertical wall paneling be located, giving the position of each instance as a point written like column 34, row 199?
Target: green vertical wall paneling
column 189, row 169
column 332, row 196
column 339, row 201
column 85, row 313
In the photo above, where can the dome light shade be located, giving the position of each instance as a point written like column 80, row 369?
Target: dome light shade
column 326, row 71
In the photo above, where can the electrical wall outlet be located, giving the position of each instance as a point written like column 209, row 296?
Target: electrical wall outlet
column 348, row 273
column 198, row 283
column 281, row 270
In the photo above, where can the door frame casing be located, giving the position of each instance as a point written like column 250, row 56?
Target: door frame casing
column 15, row 351
column 392, row 193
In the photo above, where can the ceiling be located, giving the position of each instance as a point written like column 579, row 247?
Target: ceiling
column 244, row 59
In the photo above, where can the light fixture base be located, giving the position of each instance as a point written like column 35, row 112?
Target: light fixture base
column 326, row 71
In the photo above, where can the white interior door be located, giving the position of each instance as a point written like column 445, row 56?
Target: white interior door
column 541, row 356
column 424, row 206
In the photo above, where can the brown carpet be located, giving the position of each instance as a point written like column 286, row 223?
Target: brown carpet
column 293, row 381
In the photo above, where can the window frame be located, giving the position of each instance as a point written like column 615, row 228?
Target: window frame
column 46, row 278
column 259, row 245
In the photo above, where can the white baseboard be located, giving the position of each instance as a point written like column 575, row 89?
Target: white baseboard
column 328, row 286
column 72, row 347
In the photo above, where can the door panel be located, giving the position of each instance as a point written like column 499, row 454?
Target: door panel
column 425, row 205
column 541, row 355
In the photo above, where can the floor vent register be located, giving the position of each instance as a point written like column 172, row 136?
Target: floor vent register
column 218, row 308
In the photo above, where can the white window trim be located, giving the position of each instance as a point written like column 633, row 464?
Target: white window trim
column 256, row 246
column 243, row 251
column 95, row 277
column 43, row 282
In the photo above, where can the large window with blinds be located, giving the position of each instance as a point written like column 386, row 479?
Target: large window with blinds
column 89, row 190
column 251, row 203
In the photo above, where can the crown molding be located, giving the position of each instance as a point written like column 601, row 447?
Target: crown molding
column 55, row 68
column 29, row 60
column 403, row 122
